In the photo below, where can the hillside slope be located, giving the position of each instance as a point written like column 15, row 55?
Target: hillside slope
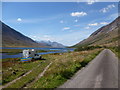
column 12, row 38
column 106, row 35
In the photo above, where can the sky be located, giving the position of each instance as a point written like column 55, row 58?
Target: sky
column 65, row 22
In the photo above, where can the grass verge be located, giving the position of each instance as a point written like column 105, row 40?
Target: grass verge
column 64, row 67
column 30, row 77
column 116, row 50
column 13, row 68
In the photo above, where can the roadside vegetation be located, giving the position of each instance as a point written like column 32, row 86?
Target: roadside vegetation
column 11, row 51
column 116, row 50
column 64, row 66
column 29, row 77
column 14, row 68
column 83, row 48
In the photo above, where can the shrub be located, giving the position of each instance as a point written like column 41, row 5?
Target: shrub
column 83, row 48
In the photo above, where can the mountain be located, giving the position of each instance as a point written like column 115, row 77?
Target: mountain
column 13, row 38
column 52, row 44
column 105, row 36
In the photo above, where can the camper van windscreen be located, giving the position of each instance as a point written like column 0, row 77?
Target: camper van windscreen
column 25, row 53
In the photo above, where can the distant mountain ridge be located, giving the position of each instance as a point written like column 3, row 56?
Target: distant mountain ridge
column 52, row 44
column 106, row 35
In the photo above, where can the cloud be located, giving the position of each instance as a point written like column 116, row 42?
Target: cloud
column 34, row 36
column 91, row 2
column 78, row 14
column 76, row 20
column 61, row 21
column 42, row 37
column 73, row 37
column 19, row 19
column 104, row 23
column 46, row 36
column 66, row 28
column 107, row 9
column 32, row 20
column 87, row 27
column 96, row 24
column 93, row 24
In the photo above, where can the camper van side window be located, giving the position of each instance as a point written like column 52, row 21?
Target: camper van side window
column 36, row 55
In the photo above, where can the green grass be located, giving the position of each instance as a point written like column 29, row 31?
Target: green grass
column 30, row 77
column 11, row 51
column 64, row 67
column 13, row 68
column 14, row 60
column 116, row 50
column 86, row 47
column 17, row 67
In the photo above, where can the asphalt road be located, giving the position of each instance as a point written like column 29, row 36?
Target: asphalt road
column 102, row 72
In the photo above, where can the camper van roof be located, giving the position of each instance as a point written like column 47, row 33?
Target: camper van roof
column 33, row 49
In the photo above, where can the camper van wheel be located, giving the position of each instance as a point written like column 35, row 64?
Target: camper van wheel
column 40, row 57
column 32, row 58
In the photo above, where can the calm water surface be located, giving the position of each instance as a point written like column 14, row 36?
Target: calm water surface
column 58, row 50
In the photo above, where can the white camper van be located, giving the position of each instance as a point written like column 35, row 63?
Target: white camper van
column 29, row 54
